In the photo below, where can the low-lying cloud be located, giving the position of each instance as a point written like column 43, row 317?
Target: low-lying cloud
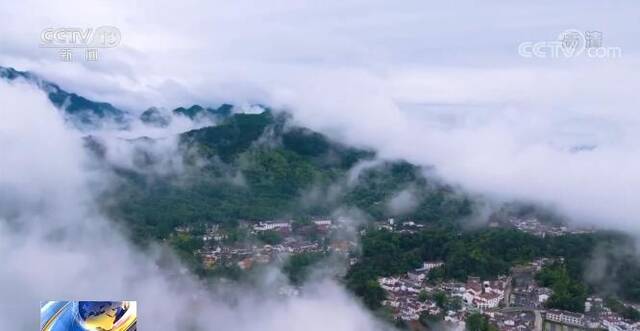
column 403, row 202
column 54, row 244
column 430, row 83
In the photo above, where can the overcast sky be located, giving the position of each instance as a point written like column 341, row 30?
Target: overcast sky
column 439, row 84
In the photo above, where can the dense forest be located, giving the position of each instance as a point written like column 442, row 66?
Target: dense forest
column 257, row 166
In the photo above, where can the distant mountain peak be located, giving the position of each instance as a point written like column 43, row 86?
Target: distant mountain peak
column 81, row 110
column 196, row 111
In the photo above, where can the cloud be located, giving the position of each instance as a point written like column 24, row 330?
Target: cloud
column 403, row 202
column 54, row 244
column 530, row 150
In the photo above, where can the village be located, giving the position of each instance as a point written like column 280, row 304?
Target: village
column 510, row 302
column 272, row 241
column 535, row 227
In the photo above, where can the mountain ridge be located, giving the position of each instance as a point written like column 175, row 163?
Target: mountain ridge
column 254, row 166
column 85, row 111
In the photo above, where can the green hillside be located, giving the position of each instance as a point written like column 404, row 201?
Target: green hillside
column 256, row 166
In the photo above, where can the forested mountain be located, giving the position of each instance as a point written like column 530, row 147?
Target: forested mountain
column 250, row 166
column 257, row 167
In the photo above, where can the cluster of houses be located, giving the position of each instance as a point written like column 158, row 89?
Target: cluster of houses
column 533, row 226
column 596, row 317
column 484, row 294
column 512, row 303
column 614, row 322
column 525, row 291
column 280, row 226
column 403, row 296
column 286, row 226
column 246, row 254
column 403, row 227
column 526, row 294
column 409, row 295
column 406, row 295
column 513, row 320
